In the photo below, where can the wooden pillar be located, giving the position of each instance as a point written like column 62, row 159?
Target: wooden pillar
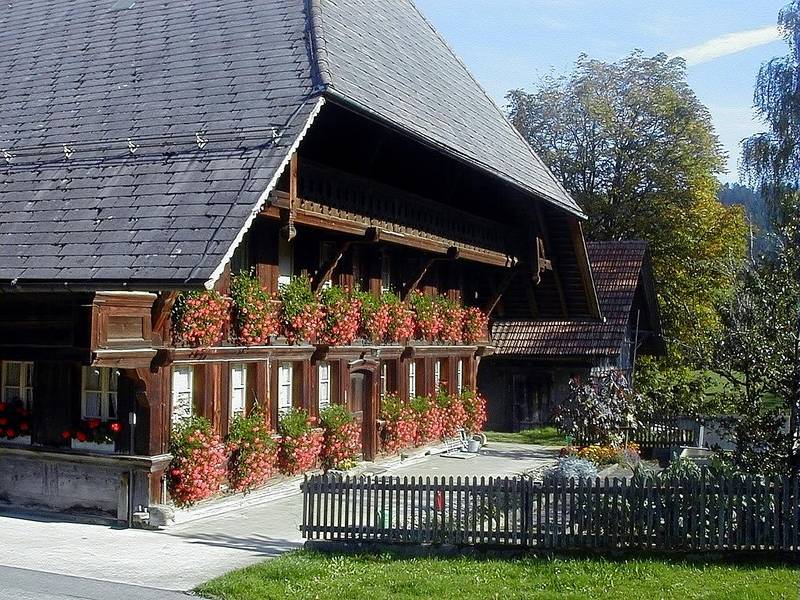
column 259, row 388
column 264, row 249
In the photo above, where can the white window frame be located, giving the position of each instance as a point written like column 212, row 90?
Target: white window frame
column 285, row 384
column 238, row 394
column 108, row 396
column 437, row 375
column 412, row 380
column 384, row 380
column 188, row 371
column 285, row 261
column 24, row 391
column 460, row 375
column 323, row 385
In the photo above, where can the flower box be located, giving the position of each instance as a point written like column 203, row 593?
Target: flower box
column 20, row 440
column 100, row 448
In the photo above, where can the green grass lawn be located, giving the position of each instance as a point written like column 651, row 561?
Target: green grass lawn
column 300, row 575
column 546, row 436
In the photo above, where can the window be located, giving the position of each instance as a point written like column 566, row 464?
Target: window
column 386, row 273
column 384, row 380
column 285, row 262
column 99, row 397
column 241, row 261
column 17, row 381
column 324, row 388
column 285, row 374
column 238, row 389
column 182, row 393
column 437, row 376
column 412, row 380
column 460, row 376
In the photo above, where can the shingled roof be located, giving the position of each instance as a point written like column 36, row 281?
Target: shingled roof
column 139, row 139
column 621, row 271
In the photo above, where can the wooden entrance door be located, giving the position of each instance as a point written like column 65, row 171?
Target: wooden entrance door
column 361, row 403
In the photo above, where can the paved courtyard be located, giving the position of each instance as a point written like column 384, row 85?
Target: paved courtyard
column 100, row 562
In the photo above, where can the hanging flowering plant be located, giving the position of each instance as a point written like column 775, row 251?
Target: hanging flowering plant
column 342, row 316
column 400, row 427
column 341, row 445
column 253, row 453
column 300, row 443
column 199, row 319
column 428, row 317
column 199, row 463
column 95, row 431
column 454, row 414
column 255, row 313
column 452, row 317
column 430, row 420
column 375, row 317
column 301, row 314
column 475, row 406
column 15, row 420
column 402, row 323
column 476, row 324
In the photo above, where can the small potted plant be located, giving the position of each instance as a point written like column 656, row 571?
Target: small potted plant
column 94, row 435
column 15, row 423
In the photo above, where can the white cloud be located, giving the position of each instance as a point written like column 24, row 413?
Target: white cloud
column 727, row 44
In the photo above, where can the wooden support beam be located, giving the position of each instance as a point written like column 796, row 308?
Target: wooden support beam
column 453, row 253
column 288, row 216
column 584, row 267
column 325, row 272
column 500, row 290
column 556, row 275
column 531, row 294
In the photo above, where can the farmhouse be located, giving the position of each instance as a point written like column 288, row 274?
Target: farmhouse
column 151, row 150
column 529, row 374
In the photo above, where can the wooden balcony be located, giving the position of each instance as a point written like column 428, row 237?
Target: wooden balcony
column 338, row 201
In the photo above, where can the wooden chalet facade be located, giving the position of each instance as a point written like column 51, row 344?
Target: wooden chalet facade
column 528, row 376
column 299, row 154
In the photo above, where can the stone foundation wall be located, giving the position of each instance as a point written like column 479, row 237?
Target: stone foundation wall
column 85, row 484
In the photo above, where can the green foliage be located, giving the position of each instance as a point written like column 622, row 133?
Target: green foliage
column 420, row 404
column 637, row 150
column 250, row 430
column 391, row 407
column 306, row 575
column 189, row 434
column 294, row 423
column 335, row 417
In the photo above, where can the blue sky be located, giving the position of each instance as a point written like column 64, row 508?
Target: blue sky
column 511, row 43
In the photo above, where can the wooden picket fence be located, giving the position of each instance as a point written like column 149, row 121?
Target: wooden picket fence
column 660, row 432
column 710, row 514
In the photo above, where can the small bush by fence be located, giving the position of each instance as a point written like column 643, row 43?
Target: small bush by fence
column 711, row 514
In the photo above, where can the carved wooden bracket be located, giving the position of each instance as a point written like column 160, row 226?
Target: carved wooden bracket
column 288, row 230
column 371, row 236
column 453, row 253
column 540, row 262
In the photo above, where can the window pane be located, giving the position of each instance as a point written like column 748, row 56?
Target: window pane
column 12, row 374
column 182, row 397
column 92, row 405
column 10, row 394
column 238, row 388
column 29, row 375
column 113, row 377
column 412, row 380
column 112, row 405
column 284, row 387
column 91, row 379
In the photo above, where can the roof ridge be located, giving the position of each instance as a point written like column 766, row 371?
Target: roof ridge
column 503, row 115
column 317, row 46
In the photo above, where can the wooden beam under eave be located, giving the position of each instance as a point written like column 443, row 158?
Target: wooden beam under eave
column 340, row 225
column 585, row 268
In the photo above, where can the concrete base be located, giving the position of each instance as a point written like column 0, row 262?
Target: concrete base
column 77, row 483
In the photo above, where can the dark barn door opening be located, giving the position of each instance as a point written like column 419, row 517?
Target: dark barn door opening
column 361, row 403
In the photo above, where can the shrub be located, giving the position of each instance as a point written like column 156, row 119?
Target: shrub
column 301, row 314
column 570, row 467
column 475, row 407
column 454, row 415
column 199, row 318
column 342, row 438
column 600, row 411
column 342, row 312
column 199, row 462
column 429, row 420
column 627, row 455
column 400, row 430
column 300, row 444
column 255, row 313
column 253, row 453
column 376, row 317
